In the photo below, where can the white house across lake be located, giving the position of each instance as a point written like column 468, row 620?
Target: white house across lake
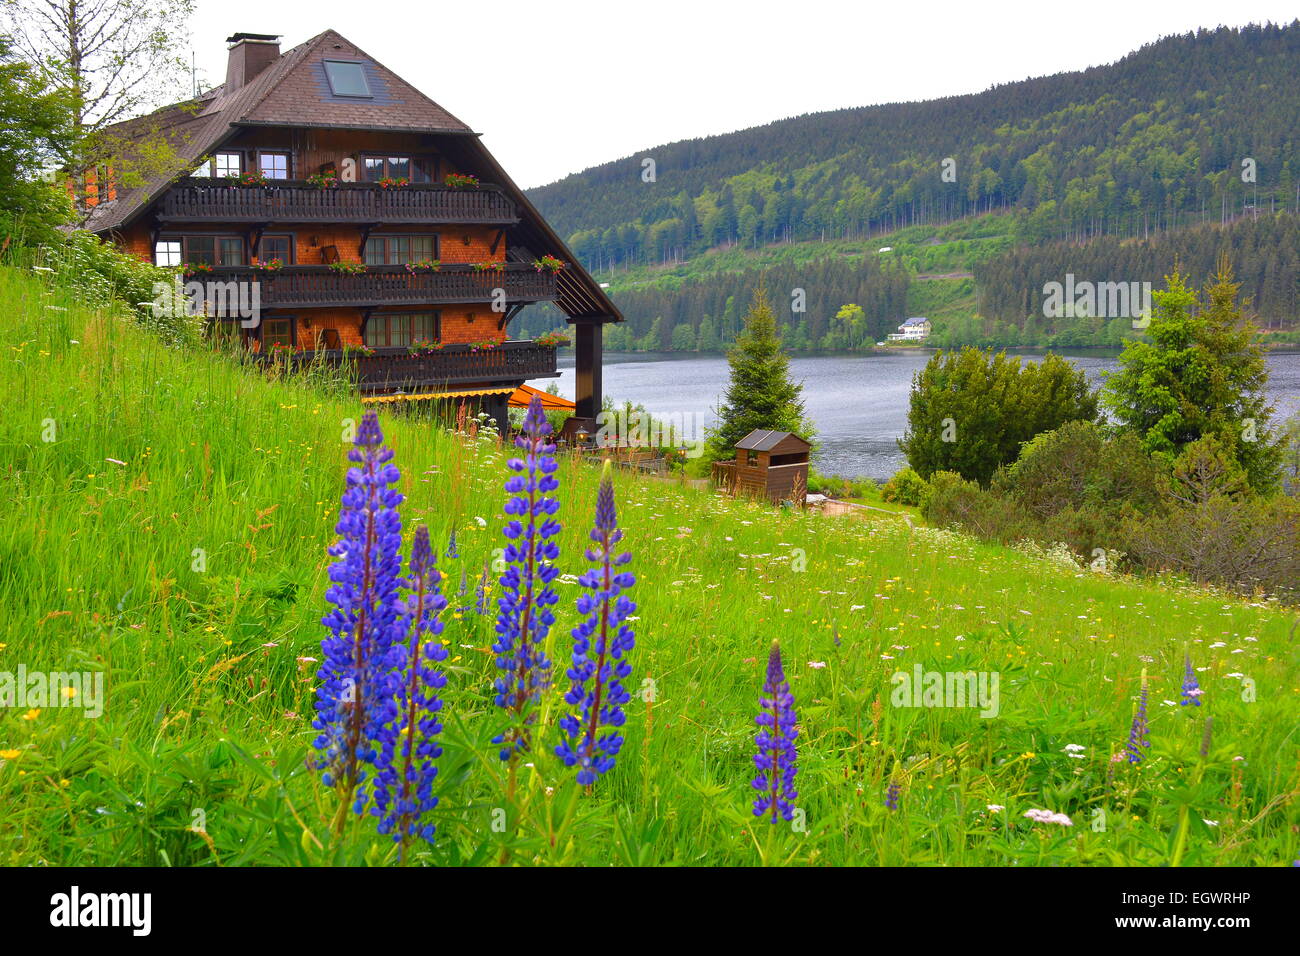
column 915, row 329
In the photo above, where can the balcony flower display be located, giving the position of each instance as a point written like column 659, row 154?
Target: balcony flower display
column 424, row 265
column 424, row 347
column 548, row 264
column 250, row 178
column 552, row 339
column 460, row 181
column 195, row 268
column 325, row 180
column 486, row 345
column 489, row 267
column 347, row 268
column 268, row 265
column 394, row 182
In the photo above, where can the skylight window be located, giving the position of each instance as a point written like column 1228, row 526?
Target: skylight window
column 347, row 78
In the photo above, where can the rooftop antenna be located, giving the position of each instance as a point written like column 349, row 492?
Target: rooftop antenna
column 194, row 74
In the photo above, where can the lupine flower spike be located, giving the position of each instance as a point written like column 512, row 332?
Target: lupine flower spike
column 1191, row 688
column 892, row 794
column 481, row 592
column 355, row 698
column 525, row 615
column 600, row 645
column 406, row 768
column 451, row 546
column 1137, row 735
column 776, row 755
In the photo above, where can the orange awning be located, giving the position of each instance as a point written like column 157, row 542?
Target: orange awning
column 523, row 396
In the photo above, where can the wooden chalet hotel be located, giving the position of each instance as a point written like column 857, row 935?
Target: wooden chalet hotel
column 375, row 222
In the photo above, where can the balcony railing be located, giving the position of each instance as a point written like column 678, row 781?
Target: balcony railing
column 215, row 200
column 295, row 287
column 391, row 370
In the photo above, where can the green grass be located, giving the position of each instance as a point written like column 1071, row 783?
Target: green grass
column 209, row 686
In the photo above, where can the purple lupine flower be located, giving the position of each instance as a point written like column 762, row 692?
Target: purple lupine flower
column 892, row 793
column 1137, row 735
column 1191, row 688
column 409, row 747
column 451, row 546
column 480, row 592
column 525, row 615
column 464, row 584
column 355, row 699
column 776, row 755
column 600, row 644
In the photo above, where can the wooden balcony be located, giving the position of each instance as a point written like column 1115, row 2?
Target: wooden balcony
column 215, row 200
column 387, row 371
column 295, row 287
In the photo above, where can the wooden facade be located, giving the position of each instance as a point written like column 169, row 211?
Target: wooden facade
column 768, row 464
column 367, row 218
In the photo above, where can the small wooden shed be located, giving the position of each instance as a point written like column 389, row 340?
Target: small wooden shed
column 773, row 465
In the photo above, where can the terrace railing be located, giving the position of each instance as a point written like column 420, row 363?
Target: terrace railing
column 216, row 200
column 390, row 370
column 307, row 286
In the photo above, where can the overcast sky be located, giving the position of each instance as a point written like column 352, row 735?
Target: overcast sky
column 556, row 86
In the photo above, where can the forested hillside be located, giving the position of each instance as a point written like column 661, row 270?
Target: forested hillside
column 1154, row 141
column 698, row 306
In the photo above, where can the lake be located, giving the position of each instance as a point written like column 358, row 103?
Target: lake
column 858, row 402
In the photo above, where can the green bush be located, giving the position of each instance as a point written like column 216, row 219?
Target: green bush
column 906, row 487
column 972, row 410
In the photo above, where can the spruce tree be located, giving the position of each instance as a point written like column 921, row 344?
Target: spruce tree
column 1202, row 374
column 760, row 394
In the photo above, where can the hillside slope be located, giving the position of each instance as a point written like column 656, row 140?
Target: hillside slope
column 168, row 519
column 1154, row 140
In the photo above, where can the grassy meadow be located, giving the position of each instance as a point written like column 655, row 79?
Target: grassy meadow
column 167, row 515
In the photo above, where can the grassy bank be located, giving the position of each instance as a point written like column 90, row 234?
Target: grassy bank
column 167, row 519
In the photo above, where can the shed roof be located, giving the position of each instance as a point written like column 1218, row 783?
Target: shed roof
column 762, row 440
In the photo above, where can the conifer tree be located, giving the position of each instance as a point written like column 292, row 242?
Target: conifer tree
column 761, row 394
column 1202, row 374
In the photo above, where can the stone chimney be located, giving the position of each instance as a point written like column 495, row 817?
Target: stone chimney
column 250, row 54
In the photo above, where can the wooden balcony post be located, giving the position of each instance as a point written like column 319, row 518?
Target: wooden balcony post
column 587, row 385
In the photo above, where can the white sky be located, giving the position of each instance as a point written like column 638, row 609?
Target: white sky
column 556, row 86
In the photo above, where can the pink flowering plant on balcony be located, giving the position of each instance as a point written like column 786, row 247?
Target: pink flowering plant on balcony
column 347, row 268
column 325, row 180
column 489, row 267
column 424, row 347
column 548, row 264
column 394, row 182
column 250, row 178
column 268, row 265
column 424, row 265
column 460, row 181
